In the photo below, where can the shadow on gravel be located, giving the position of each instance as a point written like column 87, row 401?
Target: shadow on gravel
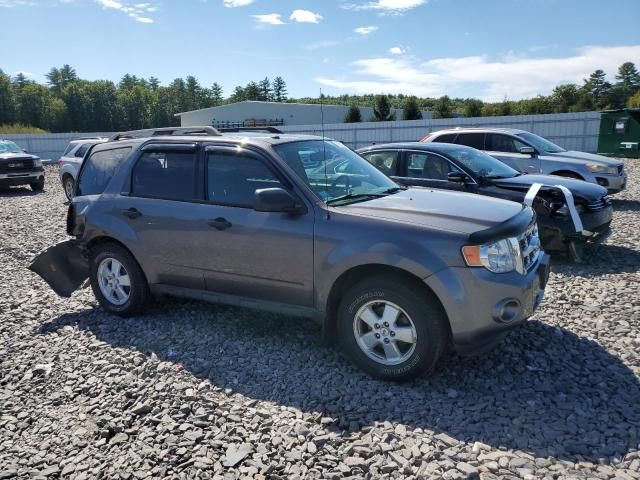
column 600, row 259
column 543, row 390
column 17, row 192
column 625, row 205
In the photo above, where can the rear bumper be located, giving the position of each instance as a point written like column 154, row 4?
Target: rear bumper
column 63, row 266
column 474, row 299
column 21, row 178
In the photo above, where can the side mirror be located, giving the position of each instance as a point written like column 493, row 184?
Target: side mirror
column 527, row 150
column 457, row 177
column 275, row 200
column 25, row 150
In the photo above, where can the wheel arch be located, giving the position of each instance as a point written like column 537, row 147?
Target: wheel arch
column 567, row 173
column 105, row 239
column 358, row 273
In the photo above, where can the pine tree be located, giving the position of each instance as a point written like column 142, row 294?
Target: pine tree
column 411, row 109
column 628, row 76
column 216, row 94
column 279, row 89
column 353, row 115
column 382, row 109
column 265, row 90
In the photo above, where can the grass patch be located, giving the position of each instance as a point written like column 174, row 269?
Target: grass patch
column 18, row 128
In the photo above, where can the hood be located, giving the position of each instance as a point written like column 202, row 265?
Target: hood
column 583, row 157
column 582, row 191
column 17, row 156
column 438, row 209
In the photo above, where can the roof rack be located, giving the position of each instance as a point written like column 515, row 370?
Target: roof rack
column 155, row 132
column 249, row 129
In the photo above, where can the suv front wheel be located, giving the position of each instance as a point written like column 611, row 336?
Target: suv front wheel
column 393, row 330
column 117, row 280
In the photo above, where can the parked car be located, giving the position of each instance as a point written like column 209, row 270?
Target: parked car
column 17, row 167
column 392, row 273
column 71, row 160
column 465, row 169
column 530, row 153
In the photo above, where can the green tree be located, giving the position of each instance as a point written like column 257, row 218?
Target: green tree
column 598, row 88
column 382, row 109
column 216, row 94
column 443, row 108
column 353, row 115
column 279, row 89
column 411, row 109
column 7, row 100
column 252, row 91
column 634, row 100
column 58, row 78
column 564, row 97
column 154, row 83
column 238, row 95
column 135, row 103
column 628, row 76
column 473, row 107
column 265, row 90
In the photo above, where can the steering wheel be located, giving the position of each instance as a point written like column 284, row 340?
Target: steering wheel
column 345, row 178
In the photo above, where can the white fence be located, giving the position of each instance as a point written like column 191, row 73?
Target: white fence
column 573, row 131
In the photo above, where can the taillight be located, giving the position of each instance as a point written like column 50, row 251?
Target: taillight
column 71, row 219
column 59, row 161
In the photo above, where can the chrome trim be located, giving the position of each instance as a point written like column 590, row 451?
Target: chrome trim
column 527, row 249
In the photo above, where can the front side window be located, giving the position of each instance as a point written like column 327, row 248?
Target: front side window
column 99, row 169
column 342, row 175
column 383, row 161
column 541, row 144
column 481, row 164
column 232, row 179
column 503, row 143
column 474, row 140
column 168, row 175
column 427, row 165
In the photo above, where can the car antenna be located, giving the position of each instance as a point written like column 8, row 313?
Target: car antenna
column 324, row 153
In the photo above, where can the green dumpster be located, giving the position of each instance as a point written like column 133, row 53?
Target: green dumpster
column 620, row 133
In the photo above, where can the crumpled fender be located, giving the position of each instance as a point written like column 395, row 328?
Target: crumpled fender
column 63, row 266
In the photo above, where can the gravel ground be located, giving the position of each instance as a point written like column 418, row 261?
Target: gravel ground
column 202, row 391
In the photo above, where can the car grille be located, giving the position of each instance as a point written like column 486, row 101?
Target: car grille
column 17, row 165
column 530, row 250
column 604, row 202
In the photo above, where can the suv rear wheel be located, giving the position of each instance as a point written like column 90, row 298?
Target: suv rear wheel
column 117, row 280
column 68, row 184
column 391, row 329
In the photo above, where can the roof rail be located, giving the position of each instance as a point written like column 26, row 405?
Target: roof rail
column 155, row 132
column 249, row 129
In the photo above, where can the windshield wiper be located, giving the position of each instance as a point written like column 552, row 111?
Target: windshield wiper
column 355, row 196
column 395, row 189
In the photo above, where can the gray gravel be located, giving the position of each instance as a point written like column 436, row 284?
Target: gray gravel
column 202, row 391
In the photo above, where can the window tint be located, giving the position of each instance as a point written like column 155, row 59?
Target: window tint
column 67, row 150
column 81, row 151
column 233, row 179
column 446, row 138
column 427, row 165
column 475, row 140
column 99, row 169
column 170, row 175
column 503, row 143
column 383, row 161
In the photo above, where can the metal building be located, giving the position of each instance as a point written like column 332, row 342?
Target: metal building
column 252, row 113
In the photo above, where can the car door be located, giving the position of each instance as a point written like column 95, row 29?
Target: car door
column 506, row 148
column 262, row 255
column 165, row 213
column 427, row 169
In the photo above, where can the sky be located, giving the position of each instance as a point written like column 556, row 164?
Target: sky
column 488, row 49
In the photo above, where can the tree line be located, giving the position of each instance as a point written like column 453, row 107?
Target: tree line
column 69, row 103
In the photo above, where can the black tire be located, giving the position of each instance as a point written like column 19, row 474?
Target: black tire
column 138, row 291
column 423, row 309
column 37, row 186
column 68, row 185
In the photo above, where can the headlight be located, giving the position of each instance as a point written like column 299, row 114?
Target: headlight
column 497, row 257
column 599, row 168
column 564, row 210
column 37, row 163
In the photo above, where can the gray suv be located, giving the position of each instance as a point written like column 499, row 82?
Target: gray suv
column 392, row 273
column 530, row 153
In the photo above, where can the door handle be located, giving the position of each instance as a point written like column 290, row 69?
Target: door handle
column 219, row 223
column 131, row 213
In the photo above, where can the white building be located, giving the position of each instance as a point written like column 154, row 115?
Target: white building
column 251, row 113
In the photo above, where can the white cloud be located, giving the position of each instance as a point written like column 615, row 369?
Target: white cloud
column 16, row 3
column 305, row 16
column 365, row 30
column 139, row 12
column 512, row 76
column 269, row 18
column 396, row 51
column 237, row 3
column 390, row 6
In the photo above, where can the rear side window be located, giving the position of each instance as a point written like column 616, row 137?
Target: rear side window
column 81, row 151
column 475, row 140
column 233, row 179
column 99, row 170
column 169, row 175
column 446, row 138
column 383, row 161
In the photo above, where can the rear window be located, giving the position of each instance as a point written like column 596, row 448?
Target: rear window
column 446, row 138
column 99, row 169
column 474, row 140
column 81, row 151
column 67, row 150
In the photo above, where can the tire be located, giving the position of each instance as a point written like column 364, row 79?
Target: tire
column 103, row 261
column 37, row 186
column 68, row 184
column 420, row 318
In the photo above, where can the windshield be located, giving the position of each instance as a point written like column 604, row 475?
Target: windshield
column 540, row 143
column 481, row 164
column 9, row 147
column 343, row 178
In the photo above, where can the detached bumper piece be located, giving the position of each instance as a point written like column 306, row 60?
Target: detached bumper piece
column 64, row 267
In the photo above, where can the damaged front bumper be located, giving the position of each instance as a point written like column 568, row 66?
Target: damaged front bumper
column 64, row 266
